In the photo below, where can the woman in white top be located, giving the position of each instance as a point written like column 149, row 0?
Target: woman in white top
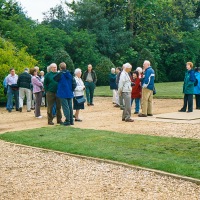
column 78, row 94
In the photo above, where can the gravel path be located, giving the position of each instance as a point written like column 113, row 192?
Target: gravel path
column 27, row 173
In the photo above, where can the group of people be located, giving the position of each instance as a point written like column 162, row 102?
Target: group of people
column 133, row 86
column 61, row 89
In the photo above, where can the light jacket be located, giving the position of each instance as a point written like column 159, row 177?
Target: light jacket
column 37, row 84
column 197, row 87
column 124, row 83
column 79, row 90
column 188, row 85
column 148, row 78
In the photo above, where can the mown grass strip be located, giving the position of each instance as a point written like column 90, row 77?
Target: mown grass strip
column 173, row 155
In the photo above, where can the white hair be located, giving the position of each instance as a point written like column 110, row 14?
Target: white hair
column 41, row 72
column 48, row 68
column 78, row 70
column 112, row 70
column 147, row 62
column 139, row 69
column 37, row 68
column 127, row 65
column 53, row 65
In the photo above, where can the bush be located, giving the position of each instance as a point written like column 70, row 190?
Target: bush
column 102, row 70
column 63, row 56
column 11, row 57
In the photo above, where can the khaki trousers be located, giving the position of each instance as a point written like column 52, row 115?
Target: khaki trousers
column 147, row 101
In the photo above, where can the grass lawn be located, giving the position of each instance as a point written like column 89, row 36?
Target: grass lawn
column 170, row 90
column 174, row 155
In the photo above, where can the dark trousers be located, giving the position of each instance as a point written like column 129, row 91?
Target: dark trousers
column 67, row 109
column 197, row 97
column 10, row 94
column 51, row 99
column 90, row 86
column 188, row 102
column 38, row 101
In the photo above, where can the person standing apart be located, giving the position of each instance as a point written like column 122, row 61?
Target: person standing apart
column 78, row 94
column 197, row 88
column 51, row 86
column 37, row 91
column 66, row 86
column 24, row 83
column 188, row 88
column 90, row 79
column 113, row 85
column 147, row 90
column 124, row 89
column 12, row 90
column 136, row 91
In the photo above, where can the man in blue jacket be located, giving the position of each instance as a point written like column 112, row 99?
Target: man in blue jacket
column 66, row 86
column 147, row 90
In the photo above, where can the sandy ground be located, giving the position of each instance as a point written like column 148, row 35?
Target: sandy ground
column 27, row 173
column 103, row 116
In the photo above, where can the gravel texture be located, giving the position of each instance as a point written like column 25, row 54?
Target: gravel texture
column 27, row 173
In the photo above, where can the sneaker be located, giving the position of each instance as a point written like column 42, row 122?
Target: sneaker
column 39, row 117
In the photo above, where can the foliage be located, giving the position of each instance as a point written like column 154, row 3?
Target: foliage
column 102, row 70
column 11, row 57
column 63, row 56
column 173, row 155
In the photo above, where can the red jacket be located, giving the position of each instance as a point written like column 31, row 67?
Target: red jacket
column 136, row 89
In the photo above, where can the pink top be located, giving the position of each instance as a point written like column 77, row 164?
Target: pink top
column 37, row 84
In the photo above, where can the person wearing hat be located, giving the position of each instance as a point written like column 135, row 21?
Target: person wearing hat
column 24, row 83
column 124, row 90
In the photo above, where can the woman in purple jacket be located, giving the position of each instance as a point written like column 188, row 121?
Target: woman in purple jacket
column 37, row 90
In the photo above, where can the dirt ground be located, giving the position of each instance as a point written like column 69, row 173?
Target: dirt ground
column 104, row 116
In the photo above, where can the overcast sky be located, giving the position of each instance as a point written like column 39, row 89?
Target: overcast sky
column 35, row 8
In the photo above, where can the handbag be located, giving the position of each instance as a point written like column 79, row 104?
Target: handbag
column 80, row 100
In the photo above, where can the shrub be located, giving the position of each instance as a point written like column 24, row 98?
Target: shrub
column 102, row 70
column 12, row 57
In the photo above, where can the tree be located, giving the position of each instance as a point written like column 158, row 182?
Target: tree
column 102, row 70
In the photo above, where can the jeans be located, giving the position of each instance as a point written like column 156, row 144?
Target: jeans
column 67, row 109
column 90, row 86
column 10, row 94
column 137, row 104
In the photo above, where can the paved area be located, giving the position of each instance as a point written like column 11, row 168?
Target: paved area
column 176, row 117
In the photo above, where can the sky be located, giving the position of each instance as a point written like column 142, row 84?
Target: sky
column 35, row 8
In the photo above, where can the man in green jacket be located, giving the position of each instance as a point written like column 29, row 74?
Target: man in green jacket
column 50, row 87
column 89, row 78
